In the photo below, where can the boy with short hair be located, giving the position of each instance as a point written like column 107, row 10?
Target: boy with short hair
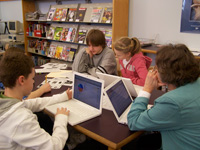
column 34, row 94
column 97, row 57
column 19, row 127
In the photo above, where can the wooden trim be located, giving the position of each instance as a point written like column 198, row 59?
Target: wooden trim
column 154, row 52
column 149, row 51
column 27, row 6
column 130, row 138
column 48, row 113
column 120, row 19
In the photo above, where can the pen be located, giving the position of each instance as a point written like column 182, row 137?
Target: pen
column 154, row 68
column 46, row 79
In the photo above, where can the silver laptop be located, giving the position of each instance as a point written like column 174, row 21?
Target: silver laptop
column 120, row 99
column 86, row 101
column 108, row 79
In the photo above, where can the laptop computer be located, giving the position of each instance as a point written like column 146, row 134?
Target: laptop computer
column 108, row 79
column 86, row 102
column 120, row 99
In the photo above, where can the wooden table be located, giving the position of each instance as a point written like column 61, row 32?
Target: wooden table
column 153, row 50
column 104, row 128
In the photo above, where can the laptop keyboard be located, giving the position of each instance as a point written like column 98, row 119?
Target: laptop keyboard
column 79, row 109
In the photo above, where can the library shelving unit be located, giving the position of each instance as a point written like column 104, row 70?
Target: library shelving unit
column 119, row 25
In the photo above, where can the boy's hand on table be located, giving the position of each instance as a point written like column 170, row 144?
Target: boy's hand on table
column 63, row 111
column 46, row 87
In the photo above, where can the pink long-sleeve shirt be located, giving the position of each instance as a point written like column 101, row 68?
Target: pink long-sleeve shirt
column 136, row 69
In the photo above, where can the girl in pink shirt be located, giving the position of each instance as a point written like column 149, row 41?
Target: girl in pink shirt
column 133, row 64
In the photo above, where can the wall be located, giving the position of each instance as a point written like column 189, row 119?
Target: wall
column 10, row 10
column 149, row 18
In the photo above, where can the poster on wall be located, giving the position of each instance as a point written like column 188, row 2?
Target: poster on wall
column 190, row 18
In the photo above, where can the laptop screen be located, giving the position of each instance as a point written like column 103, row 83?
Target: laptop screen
column 119, row 97
column 87, row 91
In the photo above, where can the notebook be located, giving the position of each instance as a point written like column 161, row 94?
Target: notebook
column 108, row 79
column 86, row 102
column 120, row 99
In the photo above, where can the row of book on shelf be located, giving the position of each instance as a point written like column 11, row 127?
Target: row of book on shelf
column 78, row 14
column 55, row 50
column 66, row 33
column 39, row 60
column 72, row 35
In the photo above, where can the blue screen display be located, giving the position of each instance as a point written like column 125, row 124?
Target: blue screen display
column 119, row 97
column 87, row 91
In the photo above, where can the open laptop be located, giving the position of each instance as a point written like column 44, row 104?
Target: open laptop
column 120, row 99
column 108, row 79
column 86, row 102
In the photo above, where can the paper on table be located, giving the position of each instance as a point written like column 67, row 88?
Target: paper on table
column 138, row 88
column 46, row 70
column 195, row 53
column 60, row 74
column 54, row 65
column 56, row 83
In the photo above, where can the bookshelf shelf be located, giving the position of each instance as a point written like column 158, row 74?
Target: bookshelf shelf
column 119, row 25
column 37, row 37
column 44, row 38
column 50, row 22
column 37, row 54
